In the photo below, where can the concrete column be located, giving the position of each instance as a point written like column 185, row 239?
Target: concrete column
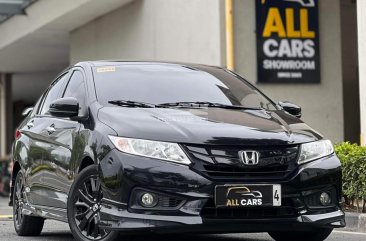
column 6, row 114
column 361, row 21
column 2, row 116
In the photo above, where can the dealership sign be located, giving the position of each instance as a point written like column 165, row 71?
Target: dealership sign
column 287, row 41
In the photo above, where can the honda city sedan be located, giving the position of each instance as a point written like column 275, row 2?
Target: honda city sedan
column 131, row 147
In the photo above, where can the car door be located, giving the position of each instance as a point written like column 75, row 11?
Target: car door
column 32, row 153
column 65, row 138
column 36, row 129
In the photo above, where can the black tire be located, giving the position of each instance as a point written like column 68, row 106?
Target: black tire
column 24, row 225
column 317, row 234
column 83, row 207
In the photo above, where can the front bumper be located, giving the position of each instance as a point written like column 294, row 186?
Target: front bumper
column 122, row 174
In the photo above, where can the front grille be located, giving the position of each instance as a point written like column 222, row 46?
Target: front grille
column 169, row 202
column 211, row 212
column 223, row 162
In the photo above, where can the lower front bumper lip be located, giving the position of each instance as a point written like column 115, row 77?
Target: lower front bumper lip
column 125, row 216
column 119, row 218
column 335, row 219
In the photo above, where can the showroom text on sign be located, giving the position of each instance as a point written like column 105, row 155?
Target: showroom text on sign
column 287, row 41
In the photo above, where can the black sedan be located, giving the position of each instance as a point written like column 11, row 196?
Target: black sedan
column 130, row 147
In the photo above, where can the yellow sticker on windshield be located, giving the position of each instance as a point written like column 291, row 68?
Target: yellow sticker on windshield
column 106, row 69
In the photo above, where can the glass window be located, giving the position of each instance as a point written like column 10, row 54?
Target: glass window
column 53, row 93
column 76, row 88
column 37, row 106
column 167, row 83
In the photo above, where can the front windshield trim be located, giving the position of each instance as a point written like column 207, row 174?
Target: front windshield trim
column 253, row 86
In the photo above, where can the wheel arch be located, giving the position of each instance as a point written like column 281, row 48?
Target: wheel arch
column 85, row 162
column 16, row 169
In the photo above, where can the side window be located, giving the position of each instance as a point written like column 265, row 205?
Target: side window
column 36, row 106
column 53, row 93
column 76, row 88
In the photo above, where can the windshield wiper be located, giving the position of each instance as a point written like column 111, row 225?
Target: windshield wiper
column 193, row 104
column 130, row 103
column 206, row 104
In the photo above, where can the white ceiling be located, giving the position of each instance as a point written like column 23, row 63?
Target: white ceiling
column 39, row 41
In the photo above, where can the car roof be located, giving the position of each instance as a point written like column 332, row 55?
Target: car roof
column 99, row 63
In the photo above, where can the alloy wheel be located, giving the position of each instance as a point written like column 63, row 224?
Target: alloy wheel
column 19, row 201
column 87, row 207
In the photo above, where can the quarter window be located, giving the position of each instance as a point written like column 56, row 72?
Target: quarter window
column 37, row 105
column 53, row 93
column 76, row 89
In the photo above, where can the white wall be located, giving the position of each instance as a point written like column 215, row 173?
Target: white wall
column 28, row 87
column 171, row 30
column 322, row 103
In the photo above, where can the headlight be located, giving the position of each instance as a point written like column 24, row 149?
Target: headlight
column 315, row 150
column 155, row 149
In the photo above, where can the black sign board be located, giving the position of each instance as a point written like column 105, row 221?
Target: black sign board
column 287, row 41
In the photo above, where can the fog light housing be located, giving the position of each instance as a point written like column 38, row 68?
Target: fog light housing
column 148, row 200
column 325, row 199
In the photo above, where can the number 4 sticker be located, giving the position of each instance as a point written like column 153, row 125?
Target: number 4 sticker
column 277, row 195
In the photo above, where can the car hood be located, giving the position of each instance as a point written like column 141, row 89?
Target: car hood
column 208, row 125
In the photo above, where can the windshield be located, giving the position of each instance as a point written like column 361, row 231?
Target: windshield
column 170, row 83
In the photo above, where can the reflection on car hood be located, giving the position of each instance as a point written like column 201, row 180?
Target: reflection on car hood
column 208, row 125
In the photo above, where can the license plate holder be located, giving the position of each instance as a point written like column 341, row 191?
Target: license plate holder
column 251, row 195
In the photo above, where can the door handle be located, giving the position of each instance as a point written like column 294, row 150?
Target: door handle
column 50, row 129
column 30, row 124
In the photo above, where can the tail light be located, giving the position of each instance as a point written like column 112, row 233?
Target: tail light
column 18, row 134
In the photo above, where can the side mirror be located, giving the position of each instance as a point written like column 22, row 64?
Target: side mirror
column 291, row 108
column 65, row 107
column 27, row 111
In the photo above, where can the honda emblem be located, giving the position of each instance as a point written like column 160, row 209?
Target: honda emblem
column 249, row 157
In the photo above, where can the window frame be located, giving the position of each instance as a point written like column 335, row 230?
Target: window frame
column 44, row 97
column 71, row 72
column 38, row 104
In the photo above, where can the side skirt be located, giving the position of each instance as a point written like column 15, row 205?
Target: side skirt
column 58, row 214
